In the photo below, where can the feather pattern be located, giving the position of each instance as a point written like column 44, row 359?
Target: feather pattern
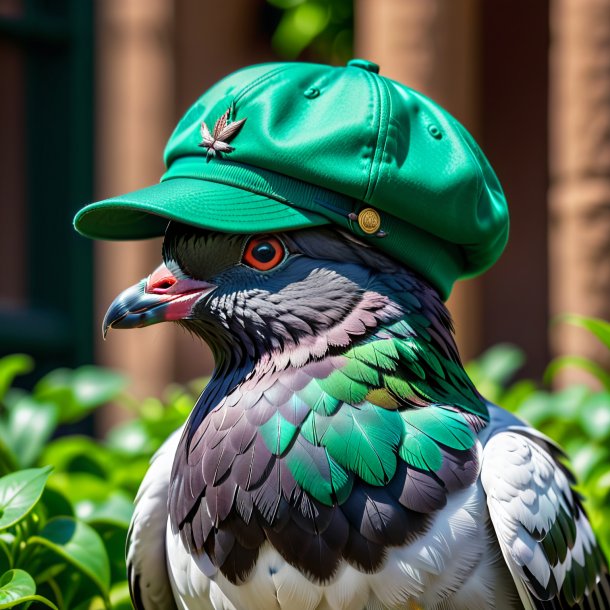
column 341, row 458
column 542, row 530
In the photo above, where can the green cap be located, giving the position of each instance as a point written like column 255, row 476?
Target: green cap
column 284, row 146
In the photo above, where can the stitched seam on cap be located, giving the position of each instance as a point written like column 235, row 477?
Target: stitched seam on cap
column 315, row 191
column 261, row 79
column 387, row 104
column 480, row 178
column 374, row 90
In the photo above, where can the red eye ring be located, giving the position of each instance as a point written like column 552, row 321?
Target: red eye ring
column 264, row 253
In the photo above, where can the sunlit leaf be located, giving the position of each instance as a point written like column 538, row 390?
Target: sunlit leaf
column 19, row 493
column 95, row 386
column 119, row 596
column 116, row 510
column 77, row 392
column 78, row 454
column 586, row 459
column 580, row 362
column 18, row 587
column 80, row 545
column 85, row 491
column 517, row 393
column 600, row 328
column 12, row 366
column 595, row 416
column 298, row 27
column 500, row 362
column 30, row 425
column 131, row 438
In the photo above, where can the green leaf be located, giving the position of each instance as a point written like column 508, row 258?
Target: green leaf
column 298, row 27
column 55, row 503
column 80, row 545
column 19, row 493
column 115, row 510
column 18, row 587
column 600, row 328
column 85, row 491
column 6, row 557
column 131, row 438
column 586, row 459
column 10, row 367
column 499, row 363
column 30, row 425
column 78, row 454
column 517, row 394
column 120, row 597
column 77, row 392
column 95, row 386
column 580, row 362
column 595, row 416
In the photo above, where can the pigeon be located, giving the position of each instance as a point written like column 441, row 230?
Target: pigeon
column 340, row 457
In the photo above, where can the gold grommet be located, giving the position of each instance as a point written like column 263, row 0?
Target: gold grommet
column 369, row 220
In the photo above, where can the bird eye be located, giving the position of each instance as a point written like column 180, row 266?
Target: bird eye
column 264, row 253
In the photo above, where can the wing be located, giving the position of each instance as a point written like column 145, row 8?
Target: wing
column 149, row 583
column 542, row 529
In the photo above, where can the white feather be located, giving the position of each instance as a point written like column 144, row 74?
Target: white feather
column 146, row 542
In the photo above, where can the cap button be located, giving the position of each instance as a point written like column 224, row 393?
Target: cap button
column 364, row 64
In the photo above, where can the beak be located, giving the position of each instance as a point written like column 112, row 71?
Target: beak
column 160, row 297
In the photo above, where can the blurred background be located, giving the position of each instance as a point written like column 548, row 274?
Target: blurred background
column 91, row 92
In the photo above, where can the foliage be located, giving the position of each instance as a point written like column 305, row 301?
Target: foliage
column 66, row 501
column 577, row 417
column 323, row 26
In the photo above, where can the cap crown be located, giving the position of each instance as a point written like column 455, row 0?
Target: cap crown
column 309, row 144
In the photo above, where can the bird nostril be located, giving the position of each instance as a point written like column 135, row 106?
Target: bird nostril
column 163, row 284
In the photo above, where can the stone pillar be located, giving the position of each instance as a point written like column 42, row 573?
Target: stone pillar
column 134, row 119
column 580, row 170
column 432, row 46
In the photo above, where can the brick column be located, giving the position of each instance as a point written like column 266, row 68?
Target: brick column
column 134, row 120
column 431, row 45
column 580, row 170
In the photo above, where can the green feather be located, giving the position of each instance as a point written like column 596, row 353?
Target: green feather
column 342, row 481
column 277, row 434
column 326, row 484
column 343, row 388
column 441, row 425
column 420, row 451
column 364, row 440
column 314, row 427
column 357, row 370
column 398, row 386
column 413, row 354
column 381, row 354
column 401, row 329
column 318, row 400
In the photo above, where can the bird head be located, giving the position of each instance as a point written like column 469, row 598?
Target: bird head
column 310, row 290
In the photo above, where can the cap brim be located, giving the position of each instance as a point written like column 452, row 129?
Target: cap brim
column 211, row 205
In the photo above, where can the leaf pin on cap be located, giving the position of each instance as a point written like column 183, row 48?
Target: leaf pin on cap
column 218, row 140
